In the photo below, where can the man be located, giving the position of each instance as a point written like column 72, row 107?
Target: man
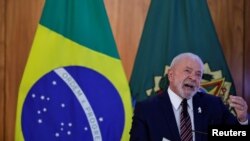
column 161, row 118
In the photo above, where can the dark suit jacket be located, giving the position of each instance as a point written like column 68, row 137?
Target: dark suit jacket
column 154, row 118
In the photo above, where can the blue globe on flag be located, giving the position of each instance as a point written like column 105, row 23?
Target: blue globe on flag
column 73, row 103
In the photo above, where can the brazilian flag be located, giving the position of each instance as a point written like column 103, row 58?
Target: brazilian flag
column 173, row 27
column 74, row 86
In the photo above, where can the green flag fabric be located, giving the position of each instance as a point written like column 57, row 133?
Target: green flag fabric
column 173, row 27
column 74, row 86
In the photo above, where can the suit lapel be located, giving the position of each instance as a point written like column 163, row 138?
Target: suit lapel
column 199, row 111
column 167, row 109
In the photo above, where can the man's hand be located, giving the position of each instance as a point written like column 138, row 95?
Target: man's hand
column 240, row 106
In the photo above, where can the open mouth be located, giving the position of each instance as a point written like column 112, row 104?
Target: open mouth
column 190, row 86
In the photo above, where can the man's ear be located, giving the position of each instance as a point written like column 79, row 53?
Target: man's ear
column 170, row 74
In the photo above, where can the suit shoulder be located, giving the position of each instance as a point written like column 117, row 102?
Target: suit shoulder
column 209, row 100
column 207, row 96
column 149, row 103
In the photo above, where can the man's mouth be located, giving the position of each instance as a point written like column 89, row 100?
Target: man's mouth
column 189, row 86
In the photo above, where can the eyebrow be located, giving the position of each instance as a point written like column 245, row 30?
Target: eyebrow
column 187, row 67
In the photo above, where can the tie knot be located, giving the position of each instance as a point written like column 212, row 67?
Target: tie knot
column 184, row 102
column 184, row 106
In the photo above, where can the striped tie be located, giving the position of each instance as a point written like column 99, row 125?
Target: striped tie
column 185, row 123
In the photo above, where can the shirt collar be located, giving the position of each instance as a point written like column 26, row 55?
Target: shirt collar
column 176, row 100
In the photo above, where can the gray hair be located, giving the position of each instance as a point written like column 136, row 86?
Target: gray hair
column 183, row 55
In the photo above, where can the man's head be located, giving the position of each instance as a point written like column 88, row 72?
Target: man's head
column 185, row 74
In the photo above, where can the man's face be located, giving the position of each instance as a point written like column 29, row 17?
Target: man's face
column 185, row 77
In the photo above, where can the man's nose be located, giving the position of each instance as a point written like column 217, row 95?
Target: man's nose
column 192, row 76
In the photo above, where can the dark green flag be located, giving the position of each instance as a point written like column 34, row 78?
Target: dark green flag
column 173, row 27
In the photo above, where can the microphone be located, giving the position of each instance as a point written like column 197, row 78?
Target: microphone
column 200, row 132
